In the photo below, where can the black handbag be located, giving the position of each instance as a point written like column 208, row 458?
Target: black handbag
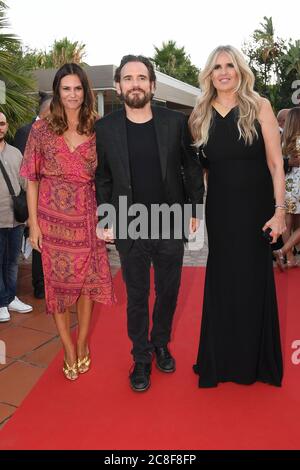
column 19, row 201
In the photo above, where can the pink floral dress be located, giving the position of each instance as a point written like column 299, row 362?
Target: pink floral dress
column 75, row 261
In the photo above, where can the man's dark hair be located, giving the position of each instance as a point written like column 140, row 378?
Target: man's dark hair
column 45, row 105
column 135, row 58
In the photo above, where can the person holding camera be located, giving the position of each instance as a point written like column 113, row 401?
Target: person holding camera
column 11, row 231
column 238, row 135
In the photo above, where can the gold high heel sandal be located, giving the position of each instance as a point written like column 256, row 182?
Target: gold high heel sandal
column 70, row 372
column 84, row 364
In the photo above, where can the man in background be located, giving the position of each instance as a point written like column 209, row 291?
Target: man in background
column 11, row 231
column 281, row 118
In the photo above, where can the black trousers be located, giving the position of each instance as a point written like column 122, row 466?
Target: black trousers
column 166, row 257
column 37, row 270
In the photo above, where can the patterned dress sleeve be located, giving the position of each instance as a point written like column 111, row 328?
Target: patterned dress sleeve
column 31, row 163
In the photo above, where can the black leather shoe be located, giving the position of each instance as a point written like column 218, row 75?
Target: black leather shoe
column 164, row 361
column 140, row 377
column 39, row 292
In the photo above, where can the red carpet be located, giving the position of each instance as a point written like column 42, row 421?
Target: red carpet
column 99, row 411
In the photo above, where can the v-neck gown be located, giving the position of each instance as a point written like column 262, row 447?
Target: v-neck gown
column 240, row 340
column 75, row 261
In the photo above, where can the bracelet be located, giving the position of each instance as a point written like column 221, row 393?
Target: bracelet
column 280, row 206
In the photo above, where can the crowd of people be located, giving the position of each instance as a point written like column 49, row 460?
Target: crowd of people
column 70, row 161
column 285, row 256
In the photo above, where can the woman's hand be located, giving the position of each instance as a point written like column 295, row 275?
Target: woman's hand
column 276, row 224
column 105, row 234
column 35, row 237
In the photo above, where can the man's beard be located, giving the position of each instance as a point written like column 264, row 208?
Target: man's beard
column 137, row 101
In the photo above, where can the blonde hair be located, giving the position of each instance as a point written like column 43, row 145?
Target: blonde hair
column 291, row 132
column 248, row 100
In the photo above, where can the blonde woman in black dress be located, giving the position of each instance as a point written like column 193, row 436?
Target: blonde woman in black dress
column 238, row 136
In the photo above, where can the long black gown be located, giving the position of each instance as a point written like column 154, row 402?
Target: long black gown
column 240, row 339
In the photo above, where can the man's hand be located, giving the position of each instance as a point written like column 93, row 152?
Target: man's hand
column 194, row 225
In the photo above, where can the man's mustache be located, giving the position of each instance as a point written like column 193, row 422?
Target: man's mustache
column 136, row 89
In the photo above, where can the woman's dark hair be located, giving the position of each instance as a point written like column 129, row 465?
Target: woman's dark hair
column 135, row 58
column 87, row 115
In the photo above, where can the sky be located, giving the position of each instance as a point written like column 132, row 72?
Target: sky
column 111, row 29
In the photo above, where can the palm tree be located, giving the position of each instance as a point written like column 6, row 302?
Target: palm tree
column 65, row 50
column 62, row 51
column 174, row 61
column 292, row 58
column 266, row 34
column 169, row 57
column 274, row 62
column 270, row 48
column 18, row 106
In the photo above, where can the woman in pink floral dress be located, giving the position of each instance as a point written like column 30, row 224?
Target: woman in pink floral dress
column 60, row 163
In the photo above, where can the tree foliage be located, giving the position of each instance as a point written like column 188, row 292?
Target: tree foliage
column 19, row 106
column 275, row 63
column 62, row 51
column 174, row 61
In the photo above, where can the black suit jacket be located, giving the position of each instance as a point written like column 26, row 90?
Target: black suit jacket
column 181, row 172
column 21, row 137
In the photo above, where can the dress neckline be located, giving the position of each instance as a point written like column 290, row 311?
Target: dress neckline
column 79, row 145
column 228, row 112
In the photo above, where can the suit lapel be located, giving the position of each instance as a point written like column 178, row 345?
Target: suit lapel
column 121, row 131
column 161, row 126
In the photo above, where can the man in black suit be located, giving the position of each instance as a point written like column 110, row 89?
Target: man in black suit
column 145, row 155
column 20, row 141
